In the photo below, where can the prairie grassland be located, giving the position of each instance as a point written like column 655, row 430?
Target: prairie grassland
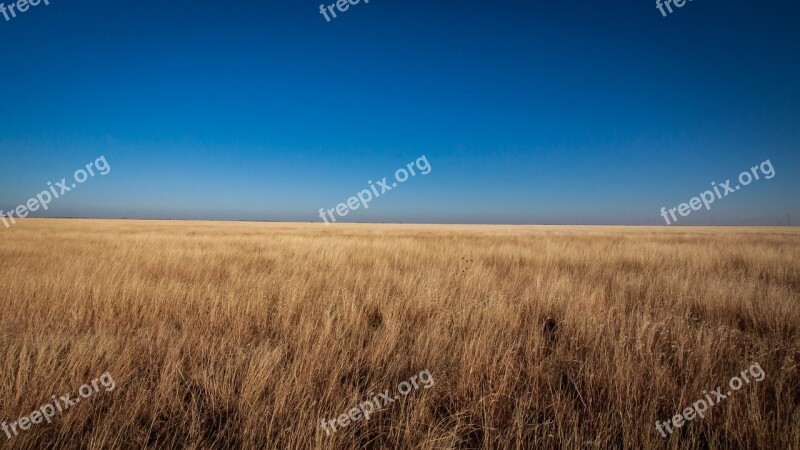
column 246, row 335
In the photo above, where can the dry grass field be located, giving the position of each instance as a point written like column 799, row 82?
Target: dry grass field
column 246, row 335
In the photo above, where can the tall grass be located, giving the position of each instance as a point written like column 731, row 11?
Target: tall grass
column 242, row 335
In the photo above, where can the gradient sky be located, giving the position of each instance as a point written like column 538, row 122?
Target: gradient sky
column 528, row 111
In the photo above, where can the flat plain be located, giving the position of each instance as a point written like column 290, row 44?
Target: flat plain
column 246, row 335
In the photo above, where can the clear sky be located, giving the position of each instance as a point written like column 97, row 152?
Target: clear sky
column 528, row 111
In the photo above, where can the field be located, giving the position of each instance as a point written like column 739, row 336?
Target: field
column 247, row 335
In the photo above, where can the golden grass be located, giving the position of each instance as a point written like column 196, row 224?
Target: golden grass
column 245, row 335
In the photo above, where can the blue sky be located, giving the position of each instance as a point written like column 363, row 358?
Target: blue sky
column 528, row 112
